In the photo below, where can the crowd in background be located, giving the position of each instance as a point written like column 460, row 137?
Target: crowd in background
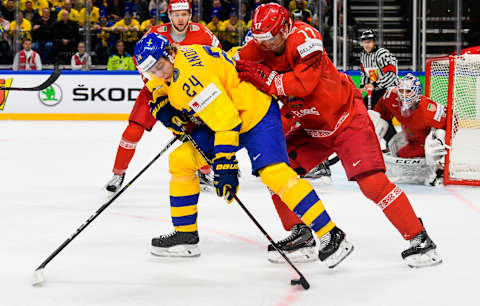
column 56, row 30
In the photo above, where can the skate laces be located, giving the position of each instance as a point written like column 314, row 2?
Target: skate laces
column 116, row 179
column 167, row 236
column 325, row 240
column 416, row 241
column 295, row 231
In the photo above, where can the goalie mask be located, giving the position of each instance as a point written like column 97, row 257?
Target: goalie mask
column 409, row 90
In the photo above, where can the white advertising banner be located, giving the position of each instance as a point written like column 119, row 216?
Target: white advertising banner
column 73, row 93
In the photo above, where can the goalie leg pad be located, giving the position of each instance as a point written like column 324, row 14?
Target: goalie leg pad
column 408, row 170
column 393, row 202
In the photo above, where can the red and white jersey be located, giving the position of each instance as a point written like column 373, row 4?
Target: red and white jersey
column 197, row 34
column 428, row 114
column 325, row 96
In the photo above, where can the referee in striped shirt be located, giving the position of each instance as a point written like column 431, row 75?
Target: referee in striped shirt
column 379, row 72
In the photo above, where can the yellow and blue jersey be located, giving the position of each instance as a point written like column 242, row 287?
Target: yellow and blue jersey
column 206, row 84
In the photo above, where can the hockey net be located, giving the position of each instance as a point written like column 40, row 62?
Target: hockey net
column 454, row 81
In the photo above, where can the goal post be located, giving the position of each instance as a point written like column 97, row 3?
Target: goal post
column 454, row 81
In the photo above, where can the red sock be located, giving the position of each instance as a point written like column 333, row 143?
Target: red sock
column 288, row 217
column 394, row 203
column 127, row 146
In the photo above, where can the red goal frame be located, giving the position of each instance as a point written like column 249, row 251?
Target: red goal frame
column 447, row 180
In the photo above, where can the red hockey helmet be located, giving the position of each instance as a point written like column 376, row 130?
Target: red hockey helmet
column 268, row 19
column 179, row 5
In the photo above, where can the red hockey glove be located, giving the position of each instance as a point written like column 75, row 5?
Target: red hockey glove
column 261, row 76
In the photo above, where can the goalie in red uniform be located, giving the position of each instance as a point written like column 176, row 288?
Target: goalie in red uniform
column 179, row 31
column 287, row 59
column 416, row 153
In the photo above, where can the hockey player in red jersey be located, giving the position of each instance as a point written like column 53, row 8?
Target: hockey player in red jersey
column 287, row 59
column 423, row 132
column 179, row 31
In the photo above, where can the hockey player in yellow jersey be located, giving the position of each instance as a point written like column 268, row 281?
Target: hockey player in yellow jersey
column 203, row 83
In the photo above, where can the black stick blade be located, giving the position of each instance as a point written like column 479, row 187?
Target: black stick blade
column 301, row 281
column 48, row 82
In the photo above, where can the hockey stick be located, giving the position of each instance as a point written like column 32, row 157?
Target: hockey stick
column 369, row 98
column 48, row 82
column 38, row 277
column 302, row 280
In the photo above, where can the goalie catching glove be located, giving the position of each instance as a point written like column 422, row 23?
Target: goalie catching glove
column 435, row 146
column 226, row 176
column 171, row 118
column 261, row 76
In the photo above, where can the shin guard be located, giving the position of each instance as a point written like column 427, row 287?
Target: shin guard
column 298, row 195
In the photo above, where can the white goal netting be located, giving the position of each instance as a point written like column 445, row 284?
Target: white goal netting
column 464, row 158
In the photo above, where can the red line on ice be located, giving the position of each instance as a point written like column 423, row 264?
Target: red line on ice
column 462, row 199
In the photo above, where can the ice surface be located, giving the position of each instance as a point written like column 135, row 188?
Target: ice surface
column 51, row 180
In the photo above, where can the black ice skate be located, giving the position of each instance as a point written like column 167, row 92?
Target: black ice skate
column 422, row 252
column 176, row 244
column 299, row 246
column 115, row 182
column 321, row 172
column 206, row 181
column 334, row 248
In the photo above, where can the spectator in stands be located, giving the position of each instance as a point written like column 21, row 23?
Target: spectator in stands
column 104, row 38
column 28, row 12
column 292, row 5
column 301, row 13
column 235, row 30
column 116, row 8
column 196, row 13
column 24, row 31
column 81, row 60
column 245, row 12
column 147, row 24
column 138, row 8
column 65, row 37
column 4, row 40
column 94, row 15
column 37, row 5
column 42, row 33
column 216, row 25
column 27, row 59
column 57, row 6
column 217, row 6
column 128, row 29
column 72, row 13
column 9, row 10
column 120, row 60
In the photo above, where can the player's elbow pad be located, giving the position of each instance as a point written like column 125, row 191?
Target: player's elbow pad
column 381, row 126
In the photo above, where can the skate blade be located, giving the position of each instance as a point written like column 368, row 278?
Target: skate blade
column 299, row 256
column 345, row 249
column 185, row 250
column 430, row 258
